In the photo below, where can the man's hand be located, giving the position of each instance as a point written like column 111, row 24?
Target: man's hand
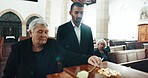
column 94, row 60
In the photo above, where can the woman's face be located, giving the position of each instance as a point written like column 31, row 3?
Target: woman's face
column 101, row 46
column 39, row 35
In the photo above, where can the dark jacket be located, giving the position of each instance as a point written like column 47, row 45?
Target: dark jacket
column 102, row 55
column 20, row 61
column 67, row 38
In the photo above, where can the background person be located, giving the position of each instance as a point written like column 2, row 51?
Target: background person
column 107, row 48
column 100, row 51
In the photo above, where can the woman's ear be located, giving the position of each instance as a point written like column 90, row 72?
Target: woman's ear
column 30, row 33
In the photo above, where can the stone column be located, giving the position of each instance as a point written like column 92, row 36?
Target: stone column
column 65, row 11
column 47, row 12
column 56, row 14
column 102, row 18
column 24, row 28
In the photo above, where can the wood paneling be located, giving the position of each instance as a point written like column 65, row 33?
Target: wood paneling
column 143, row 33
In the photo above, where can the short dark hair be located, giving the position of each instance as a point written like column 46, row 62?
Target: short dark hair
column 76, row 4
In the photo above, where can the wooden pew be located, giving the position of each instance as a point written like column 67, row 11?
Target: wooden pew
column 23, row 38
column 127, row 55
column 1, row 47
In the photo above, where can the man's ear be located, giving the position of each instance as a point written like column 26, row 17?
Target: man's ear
column 70, row 12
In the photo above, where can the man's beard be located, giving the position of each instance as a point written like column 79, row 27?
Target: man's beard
column 78, row 21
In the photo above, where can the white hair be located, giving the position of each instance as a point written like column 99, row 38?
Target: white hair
column 32, row 25
column 102, row 41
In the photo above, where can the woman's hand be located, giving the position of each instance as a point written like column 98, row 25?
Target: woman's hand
column 94, row 60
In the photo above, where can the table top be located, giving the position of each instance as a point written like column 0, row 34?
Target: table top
column 126, row 72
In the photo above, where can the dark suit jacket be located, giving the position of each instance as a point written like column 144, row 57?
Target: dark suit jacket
column 67, row 38
column 20, row 61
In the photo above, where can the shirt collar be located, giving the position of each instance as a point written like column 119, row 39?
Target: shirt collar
column 74, row 24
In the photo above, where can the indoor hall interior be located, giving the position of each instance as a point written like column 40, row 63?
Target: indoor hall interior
column 123, row 22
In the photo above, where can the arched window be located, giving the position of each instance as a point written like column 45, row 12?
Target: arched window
column 10, row 25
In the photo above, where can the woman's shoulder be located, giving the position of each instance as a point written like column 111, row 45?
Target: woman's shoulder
column 23, row 42
column 96, row 50
column 51, row 39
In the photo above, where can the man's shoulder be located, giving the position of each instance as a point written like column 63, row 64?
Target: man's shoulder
column 65, row 24
column 82, row 24
column 85, row 26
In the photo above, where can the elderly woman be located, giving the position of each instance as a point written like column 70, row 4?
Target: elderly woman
column 100, row 51
column 40, row 55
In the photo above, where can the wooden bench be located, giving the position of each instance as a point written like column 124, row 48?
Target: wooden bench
column 134, row 45
column 117, row 48
column 127, row 55
column 23, row 38
column 1, row 47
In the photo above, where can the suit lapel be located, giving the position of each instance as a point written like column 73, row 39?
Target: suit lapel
column 73, row 35
column 82, row 35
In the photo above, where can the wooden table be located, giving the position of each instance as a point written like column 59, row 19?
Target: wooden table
column 126, row 72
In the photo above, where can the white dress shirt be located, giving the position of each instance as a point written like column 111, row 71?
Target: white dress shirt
column 77, row 31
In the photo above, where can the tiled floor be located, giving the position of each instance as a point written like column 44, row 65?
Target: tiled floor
column 7, row 49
